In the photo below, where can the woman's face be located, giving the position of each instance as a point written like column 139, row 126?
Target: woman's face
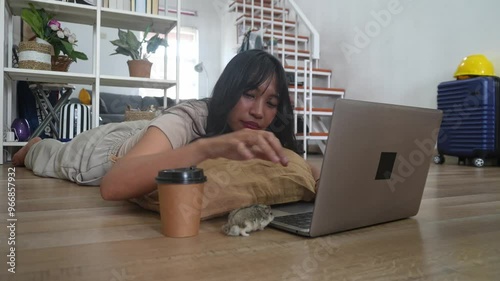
column 256, row 108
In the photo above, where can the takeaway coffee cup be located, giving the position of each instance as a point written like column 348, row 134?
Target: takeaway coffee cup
column 180, row 193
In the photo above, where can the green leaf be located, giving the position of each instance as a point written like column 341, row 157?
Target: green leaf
column 122, row 35
column 122, row 51
column 68, row 47
column 148, row 28
column 37, row 19
column 34, row 21
column 57, row 50
column 79, row 55
column 126, row 52
column 136, row 55
column 155, row 42
column 129, row 45
column 120, row 43
column 132, row 41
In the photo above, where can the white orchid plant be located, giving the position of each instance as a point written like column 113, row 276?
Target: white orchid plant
column 46, row 27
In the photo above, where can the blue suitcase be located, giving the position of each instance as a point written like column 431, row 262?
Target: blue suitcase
column 470, row 126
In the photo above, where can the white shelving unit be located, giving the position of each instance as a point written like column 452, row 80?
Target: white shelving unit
column 95, row 16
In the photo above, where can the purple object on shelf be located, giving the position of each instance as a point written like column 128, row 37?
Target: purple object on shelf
column 21, row 128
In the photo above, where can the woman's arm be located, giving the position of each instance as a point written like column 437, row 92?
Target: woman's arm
column 315, row 173
column 134, row 174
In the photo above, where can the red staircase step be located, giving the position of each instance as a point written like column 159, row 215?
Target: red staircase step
column 292, row 68
column 305, row 52
column 286, row 34
column 277, row 22
column 268, row 2
column 322, row 88
column 316, row 109
column 319, row 90
column 289, row 38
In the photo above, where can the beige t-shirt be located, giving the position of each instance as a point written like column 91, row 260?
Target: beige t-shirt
column 181, row 124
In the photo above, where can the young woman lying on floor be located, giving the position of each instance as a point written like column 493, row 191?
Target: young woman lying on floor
column 248, row 116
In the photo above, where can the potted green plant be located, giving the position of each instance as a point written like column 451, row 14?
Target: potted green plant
column 127, row 44
column 48, row 31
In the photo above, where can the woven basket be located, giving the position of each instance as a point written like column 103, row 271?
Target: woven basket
column 61, row 63
column 35, row 54
column 133, row 115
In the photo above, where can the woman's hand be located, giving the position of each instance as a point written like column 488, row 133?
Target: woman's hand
column 246, row 144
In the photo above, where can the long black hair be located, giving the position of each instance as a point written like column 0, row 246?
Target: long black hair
column 245, row 72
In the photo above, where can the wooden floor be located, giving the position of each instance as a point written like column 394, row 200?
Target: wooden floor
column 67, row 232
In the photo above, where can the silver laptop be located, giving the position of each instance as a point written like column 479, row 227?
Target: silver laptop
column 374, row 169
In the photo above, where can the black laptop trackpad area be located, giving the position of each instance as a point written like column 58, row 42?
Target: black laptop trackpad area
column 302, row 220
column 385, row 165
column 292, row 208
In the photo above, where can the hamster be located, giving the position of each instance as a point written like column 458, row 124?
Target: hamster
column 247, row 219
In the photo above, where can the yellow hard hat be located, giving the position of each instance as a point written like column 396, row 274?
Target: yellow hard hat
column 477, row 65
column 84, row 97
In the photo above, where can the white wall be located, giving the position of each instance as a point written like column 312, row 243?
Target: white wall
column 407, row 54
column 208, row 24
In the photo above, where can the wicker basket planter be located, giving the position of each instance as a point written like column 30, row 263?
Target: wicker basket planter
column 61, row 63
column 35, row 54
column 133, row 115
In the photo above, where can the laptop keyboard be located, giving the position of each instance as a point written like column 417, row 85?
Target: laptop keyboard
column 302, row 220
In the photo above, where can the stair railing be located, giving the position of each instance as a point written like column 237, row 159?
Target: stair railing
column 315, row 39
column 252, row 15
column 313, row 46
column 244, row 24
column 314, row 43
column 307, row 101
column 261, row 17
column 309, row 74
column 272, row 28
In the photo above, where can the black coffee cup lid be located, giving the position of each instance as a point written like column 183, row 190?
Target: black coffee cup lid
column 181, row 176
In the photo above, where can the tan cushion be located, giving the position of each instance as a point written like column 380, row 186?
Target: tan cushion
column 234, row 184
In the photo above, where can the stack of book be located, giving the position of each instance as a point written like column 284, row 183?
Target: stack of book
column 139, row 6
column 86, row 2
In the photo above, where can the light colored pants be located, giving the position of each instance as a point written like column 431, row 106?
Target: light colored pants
column 86, row 158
